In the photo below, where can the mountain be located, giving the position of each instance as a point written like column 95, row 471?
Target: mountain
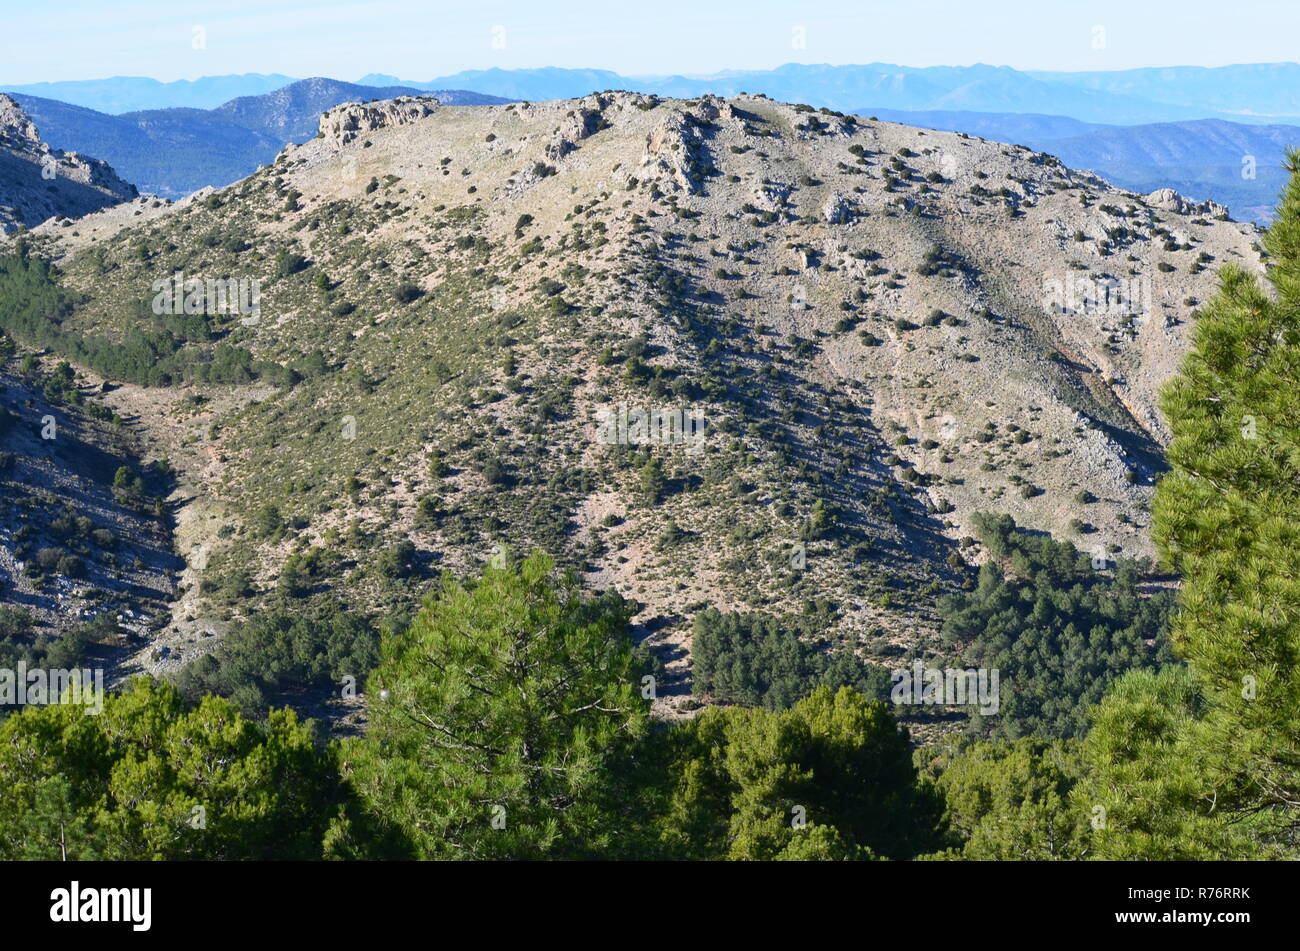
column 173, row 152
column 1232, row 163
column 120, row 94
column 977, row 88
column 1017, row 127
column 1266, row 92
column 292, row 113
column 1262, row 91
column 863, row 334
column 170, row 152
column 38, row 182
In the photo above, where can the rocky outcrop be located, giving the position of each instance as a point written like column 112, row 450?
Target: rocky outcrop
column 811, row 124
column 17, row 130
column 773, row 196
column 838, row 210
column 1167, row 199
column 584, row 121
column 38, row 182
column 345, row 123
column 674, row 149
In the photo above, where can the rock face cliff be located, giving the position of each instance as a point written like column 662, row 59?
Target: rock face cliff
column 38, row 182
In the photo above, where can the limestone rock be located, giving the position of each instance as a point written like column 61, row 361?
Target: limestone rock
column 838, row 210
column 345, row 123
column 38, row 182
column 1167, row 199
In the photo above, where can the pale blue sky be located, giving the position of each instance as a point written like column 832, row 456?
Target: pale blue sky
column 88, row 39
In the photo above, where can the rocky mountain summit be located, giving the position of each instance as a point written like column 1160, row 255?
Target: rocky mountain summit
column 38, row 182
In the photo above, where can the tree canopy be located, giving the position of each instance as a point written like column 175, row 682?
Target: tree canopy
column 150, row 779
column 496, row 716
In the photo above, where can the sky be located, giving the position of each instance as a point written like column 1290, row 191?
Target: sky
column 413, row 40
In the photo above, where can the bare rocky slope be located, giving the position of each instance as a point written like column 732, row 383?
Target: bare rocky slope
column 884, row 329
column 38, row 183
column 78, row 550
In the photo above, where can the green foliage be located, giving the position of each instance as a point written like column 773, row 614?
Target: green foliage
column 1058, row 630
column 279, row 652
column 504, row 706
column 407, row 292
column 34, row 308
column 1011, row 801
column 398, row 561
column 1145, row 786
column 20, row 641
column 759, row 660
column 149, row 778
column 654, row 483
column 1227, row 518
column 751, row 784
column 266, row 521
column 289, row 262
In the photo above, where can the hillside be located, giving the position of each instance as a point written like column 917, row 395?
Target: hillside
column 38, row 182
column 85, row 554
column 869, row 319
column 1232, row 163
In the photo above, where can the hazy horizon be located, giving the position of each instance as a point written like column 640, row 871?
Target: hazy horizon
column 404, row 38
column 359, row 79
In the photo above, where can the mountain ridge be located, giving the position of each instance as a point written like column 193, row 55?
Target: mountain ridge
column 1238, row 165
column 860, row 312
column 173, row 152
column 1246, row 93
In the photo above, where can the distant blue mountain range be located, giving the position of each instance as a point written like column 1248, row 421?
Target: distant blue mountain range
column 135, row 93
column 1211, row 133
column 1267, row 93
column 1251, row 93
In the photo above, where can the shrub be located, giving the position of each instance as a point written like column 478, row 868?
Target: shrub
column 407, row 292
column 289, row 262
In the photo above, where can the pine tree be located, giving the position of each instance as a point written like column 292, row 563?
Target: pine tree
column 495, row 718
column 830, row 778
column 149, row 778
column 1145, row 791
column 1011, row 801
column 1227, row 518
